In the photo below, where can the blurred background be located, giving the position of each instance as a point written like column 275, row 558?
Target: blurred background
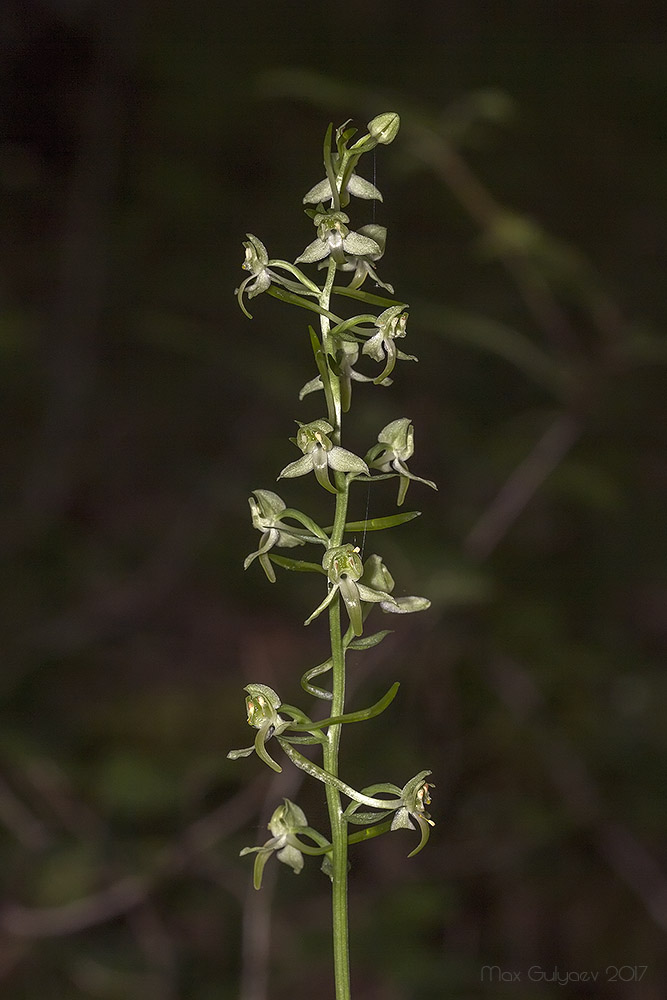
column 525, row 199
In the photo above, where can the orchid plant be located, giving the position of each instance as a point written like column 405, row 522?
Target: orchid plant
column 348, row 581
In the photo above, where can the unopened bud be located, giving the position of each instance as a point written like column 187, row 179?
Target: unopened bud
column 384, row 128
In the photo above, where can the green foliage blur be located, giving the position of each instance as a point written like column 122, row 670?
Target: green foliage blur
column 525, row 202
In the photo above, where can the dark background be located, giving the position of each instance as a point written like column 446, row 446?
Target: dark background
column 525, row 199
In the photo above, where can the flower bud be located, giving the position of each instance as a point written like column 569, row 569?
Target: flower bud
column 384, row 128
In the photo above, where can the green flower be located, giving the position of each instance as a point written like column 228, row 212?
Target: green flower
column 415, row 797
column 335, row 239
column 256, row 261
column 265, row 512
column 395, row 446
column 377, row 576
column 364, row 265
column 287, row 821
column 320, row 455
column 344, row 569
column 263, row 273
column 262, row 706
column 391, row 325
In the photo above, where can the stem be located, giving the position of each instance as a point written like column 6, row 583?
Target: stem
column 338, row 824
column 340, row 924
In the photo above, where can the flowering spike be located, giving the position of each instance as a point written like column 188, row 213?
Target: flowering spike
column 342, row 343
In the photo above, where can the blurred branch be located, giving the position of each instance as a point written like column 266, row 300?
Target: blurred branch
column 132, row 891
column 122, row 604
column 625, row 855
column 522, row 485
column 29, row 831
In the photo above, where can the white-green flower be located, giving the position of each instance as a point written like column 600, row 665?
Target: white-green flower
column 415, row 797
column 256, row 261
column 287, row 821
column 395, row 445
column 391, row 326
column 335, row 239
column 264, row 273
column 265, row 511
column 262, row 704
column 364, row 265
column 344, row 569
column 320, row 455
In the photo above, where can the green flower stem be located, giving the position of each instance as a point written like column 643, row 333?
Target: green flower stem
column 341, row 945
column 330, row 753
column 368, row 833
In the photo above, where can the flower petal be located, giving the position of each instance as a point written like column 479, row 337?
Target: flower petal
column 317, row 250
column 320, row 608
column 355, row 243
column 291, row 856
column 318, row 193
column 343, row 460
column 405, row 605
column 361, row 188
column 298, row 468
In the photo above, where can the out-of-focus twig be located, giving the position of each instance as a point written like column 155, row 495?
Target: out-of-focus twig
column 522, row 485
column 131, row 891
column 29, row 831
column 623, row 852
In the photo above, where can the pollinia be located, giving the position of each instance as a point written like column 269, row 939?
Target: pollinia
column 351, row 586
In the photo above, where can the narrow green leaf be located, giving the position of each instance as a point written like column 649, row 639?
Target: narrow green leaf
column 361, row 716
column 369, row 833
column 328, row 163
column 296, row 300
column 361, row 819
column 297, row 565
column 373, row 300
column 380, row 523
